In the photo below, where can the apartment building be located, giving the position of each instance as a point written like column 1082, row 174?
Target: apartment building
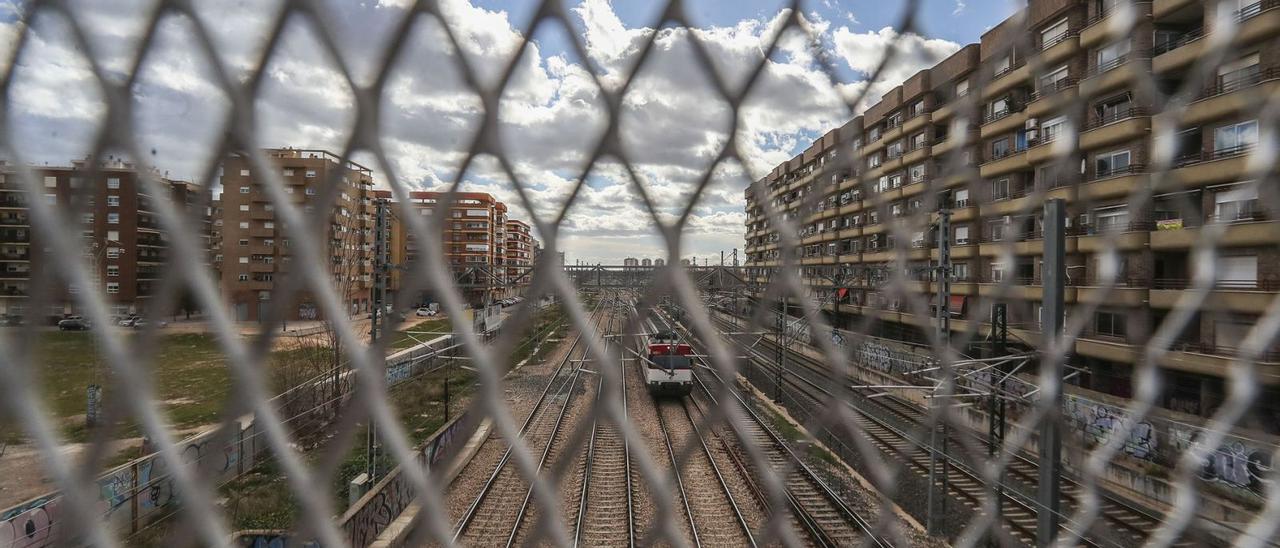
column 120, row 225
column 475, row 239
column 1063, row 111
column 520, row 248
column 254, row 243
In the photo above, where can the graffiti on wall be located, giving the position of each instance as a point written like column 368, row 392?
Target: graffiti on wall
column 1235, row 464
column 884, row 359
column 31, row 524
column 270, row 539
column 1098, row 422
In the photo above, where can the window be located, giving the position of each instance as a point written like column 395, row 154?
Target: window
column 1239, row 73
column 244, row 260
column 113, row 182
column 268, row 224
column 917, row 141
column 998, row 272
column 51, row 199
column 113, row 235
column 1110, row 324
column 873, row 161
column 244, row 224
column 917, row 108
column 894, row 149
column 1055, row 80
column 1111, row 163
column 894, row 120
column 1053, row 129
column 113, row 288
column 244, row 207
column 311, row 191
column 962, row 234
column 113, row 271
column 1112, row 219
column 1000, row 189
column 960, row 271
column 962, row 88
column 1238, row 204
column 244, row 173
column 998, row 108
column 873, row 134
column 1235, row 137
column 288, row 190
column 1113, row 55
column 50, row 182
column 962, row 198
column 1054, row 34
column 113, row 218
column 113, row 201
column 243, row 277
column 288, row 173
column 999, row 148
column 244, row 190
column 1115, row 108
column 1238, row 272
column 311, row 173
column 1002, row 65
column 917, row 173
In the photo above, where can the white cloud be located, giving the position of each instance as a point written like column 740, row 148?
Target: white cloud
column 673, row 123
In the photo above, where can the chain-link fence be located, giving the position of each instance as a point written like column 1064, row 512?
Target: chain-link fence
column 1030, row 289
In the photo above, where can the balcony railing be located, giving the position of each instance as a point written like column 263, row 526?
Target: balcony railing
column 1012, row 67
column 1058, row 39
column 1182, row 40
column 1112, row 228
column 1203, row 156
column 1270, row 355
column 1114, row 116
column 1052, row 88
column 1249, row 12
column 1240, row 79
column 1236, row 285
column 1108, row 66
column 1130, row 169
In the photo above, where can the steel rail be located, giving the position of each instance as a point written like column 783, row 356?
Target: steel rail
column 473, row 509
column 555, row 431
column 815, row 529
column 959, row 467
column 584, row 495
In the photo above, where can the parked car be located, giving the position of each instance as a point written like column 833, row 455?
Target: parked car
column 424, row 312
column 74, row 323
column 139, row 323
column 128, row 322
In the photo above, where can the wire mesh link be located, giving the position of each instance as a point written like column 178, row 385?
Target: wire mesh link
column 842, row 366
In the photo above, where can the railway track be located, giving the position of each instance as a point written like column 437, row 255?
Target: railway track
column 1119, row 525
column 497, row 513
column 606, row 512
column 814, row 507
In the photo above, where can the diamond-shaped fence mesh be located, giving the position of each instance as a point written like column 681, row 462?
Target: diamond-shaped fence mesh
column 884, row 368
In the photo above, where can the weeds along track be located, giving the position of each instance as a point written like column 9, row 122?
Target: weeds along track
column 495, row 512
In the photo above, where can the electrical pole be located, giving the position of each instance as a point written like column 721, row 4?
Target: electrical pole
column 782, row 352
column 996, row 412
column 944, row 338
column 378, row 293
column 1052, row 358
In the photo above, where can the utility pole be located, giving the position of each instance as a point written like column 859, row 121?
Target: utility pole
column 996, row 412
column 378, row 291
column 782, row 352
column 1052, row 358
column 944, row 337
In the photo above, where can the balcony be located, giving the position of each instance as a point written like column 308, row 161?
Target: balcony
column 1060, row 47
column 1115, row 127
column 1111, row 75
column 1254, row 231
column 1212, row 166
column 1174, row 54
column 1051, row 96
column 1007, row 163
column 1125, row 236
column 1247, row 296
column 1224, row 97
column 1114, row 182
column 1017, row 73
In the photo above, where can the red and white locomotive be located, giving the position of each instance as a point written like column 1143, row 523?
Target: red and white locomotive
column 668, row 369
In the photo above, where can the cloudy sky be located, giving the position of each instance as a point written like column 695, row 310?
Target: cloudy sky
column 672, row 123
